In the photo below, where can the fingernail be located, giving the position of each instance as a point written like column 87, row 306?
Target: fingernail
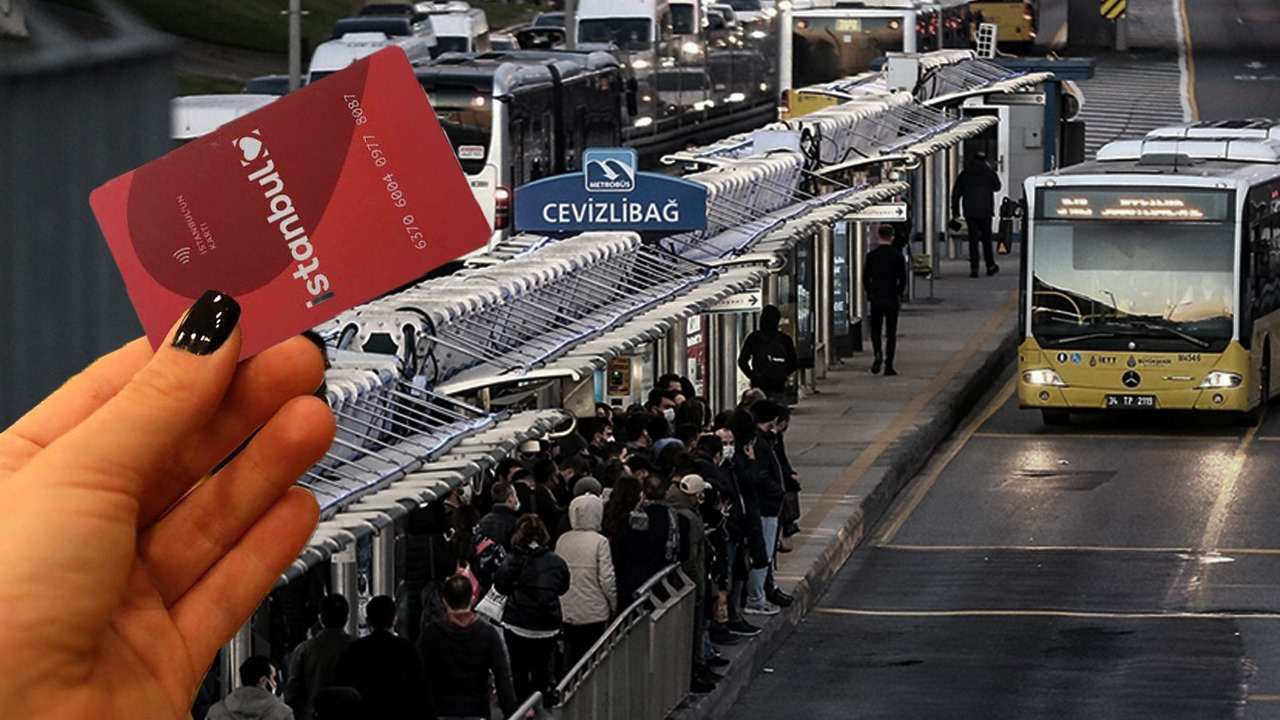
column 208, row 324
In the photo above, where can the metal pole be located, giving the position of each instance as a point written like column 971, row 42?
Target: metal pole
column 677, row 349
column 384, row 561
column 295, row 44
column 1122, row 33
column 824, row 322
column 344, row 578
column 235, row 653
column 723, row 361
column 785, row 31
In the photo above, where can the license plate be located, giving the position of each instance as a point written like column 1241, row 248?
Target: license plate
column 1138, row 402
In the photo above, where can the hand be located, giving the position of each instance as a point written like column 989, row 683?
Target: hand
column 750, row 450
column 126, row 568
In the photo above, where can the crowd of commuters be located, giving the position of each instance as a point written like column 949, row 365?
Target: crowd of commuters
column 568, row 533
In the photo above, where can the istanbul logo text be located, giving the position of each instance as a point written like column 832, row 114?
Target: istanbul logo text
column 284, row 217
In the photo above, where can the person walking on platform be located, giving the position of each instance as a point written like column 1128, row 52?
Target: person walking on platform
column 315, row 661
column 255, row 698
column 533, row 578
column 884, row 278
column 977, row 186
column 768, row 355
column 462, row 652
column 385, row 668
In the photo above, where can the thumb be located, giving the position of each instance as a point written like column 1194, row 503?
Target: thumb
column 124, row 445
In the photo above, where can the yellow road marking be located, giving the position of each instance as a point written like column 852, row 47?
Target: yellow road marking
column 1218, row 516
column 1262, row 698
column 1191, row 62
column 1100, row 436
column 922, row 485
column 1073, row 548
column 1059, row 38
column 1043, row 613
column 835, row 494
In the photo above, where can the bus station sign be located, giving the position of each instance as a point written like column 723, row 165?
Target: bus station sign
column 610, row 193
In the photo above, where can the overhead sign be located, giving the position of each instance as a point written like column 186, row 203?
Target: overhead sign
column 749, row 301
column 884, row 212
column 611, row 193
column 1112, row 9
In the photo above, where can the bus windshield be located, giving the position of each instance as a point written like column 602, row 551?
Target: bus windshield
column 1105, row 283
column 467, row 118
column 627, row 33
column 829, row 48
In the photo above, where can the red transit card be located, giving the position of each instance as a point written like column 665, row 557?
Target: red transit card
column 324, row 199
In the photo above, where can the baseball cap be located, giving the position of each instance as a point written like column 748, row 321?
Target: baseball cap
column 692, row 485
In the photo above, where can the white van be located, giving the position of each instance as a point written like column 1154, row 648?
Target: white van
column 334, row 55
column 461, row 30
column 635, row 27
column 191, row 116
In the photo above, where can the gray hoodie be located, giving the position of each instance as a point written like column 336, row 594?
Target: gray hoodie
column 592, row 586
column 250, row 703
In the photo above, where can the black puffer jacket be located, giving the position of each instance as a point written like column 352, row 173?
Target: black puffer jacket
column 976, row 186
column 533, row 579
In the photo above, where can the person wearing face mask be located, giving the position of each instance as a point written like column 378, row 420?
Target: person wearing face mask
column 663, row 402
column 255, row 699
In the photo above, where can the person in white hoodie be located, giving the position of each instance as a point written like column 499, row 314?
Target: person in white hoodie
column 255, row 699
column 592, row 597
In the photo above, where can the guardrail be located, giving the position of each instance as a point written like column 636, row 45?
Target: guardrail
column 639, row 669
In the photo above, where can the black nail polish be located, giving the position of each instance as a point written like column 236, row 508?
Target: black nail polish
column 208, row 324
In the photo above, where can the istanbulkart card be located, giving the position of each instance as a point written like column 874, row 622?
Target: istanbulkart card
column 324, row 199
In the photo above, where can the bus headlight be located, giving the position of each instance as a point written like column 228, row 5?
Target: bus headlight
column 1043, row 377
column 1221, row 379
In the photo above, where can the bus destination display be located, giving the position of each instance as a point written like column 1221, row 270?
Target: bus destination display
column 1134, row 204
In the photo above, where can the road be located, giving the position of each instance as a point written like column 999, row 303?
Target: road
column 1119, row 567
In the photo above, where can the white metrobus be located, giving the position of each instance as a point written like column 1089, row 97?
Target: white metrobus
column 1152, row 275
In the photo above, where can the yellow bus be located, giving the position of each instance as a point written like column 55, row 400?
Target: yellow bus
column 1018, row 21
column 833, row 39
column 1152, row 275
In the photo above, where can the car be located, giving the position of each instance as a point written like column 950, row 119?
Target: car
column 549, row 19
column 531, row 37
column 270, row 84
column 501, row 42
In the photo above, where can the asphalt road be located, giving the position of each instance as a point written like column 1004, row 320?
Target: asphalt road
column 1118, row 567
column 1234, row 57
column 1125, row 566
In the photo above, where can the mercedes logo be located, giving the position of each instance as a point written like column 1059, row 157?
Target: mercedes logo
column 1131, row 379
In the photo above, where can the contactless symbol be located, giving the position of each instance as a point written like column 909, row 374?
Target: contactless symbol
column 1131, row 379
column 182, row 255
column 611, row 170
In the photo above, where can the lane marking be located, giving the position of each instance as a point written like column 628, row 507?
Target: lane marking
column 1034, row 548
column 1059, row 38
column 1262, row 698
column 836, row 494
column 1218, row 515
column 1186, row 62
column 921, row 485
column 1100, row 436
column 1074, row 548
column 1047, row 613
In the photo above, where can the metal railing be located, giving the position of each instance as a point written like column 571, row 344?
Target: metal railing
column 639, row 669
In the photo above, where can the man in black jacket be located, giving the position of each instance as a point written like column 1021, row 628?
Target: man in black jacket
column 315, row 661
column 884, row 277
column 462, row 652
column 384, row 667
column 977, row 185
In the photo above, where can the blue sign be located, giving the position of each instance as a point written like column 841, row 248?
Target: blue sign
column 610, row 194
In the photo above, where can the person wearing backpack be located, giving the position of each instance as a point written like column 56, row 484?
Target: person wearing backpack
column 768, row 355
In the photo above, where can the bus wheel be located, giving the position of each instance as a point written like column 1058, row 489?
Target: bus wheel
column 1054, row 416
